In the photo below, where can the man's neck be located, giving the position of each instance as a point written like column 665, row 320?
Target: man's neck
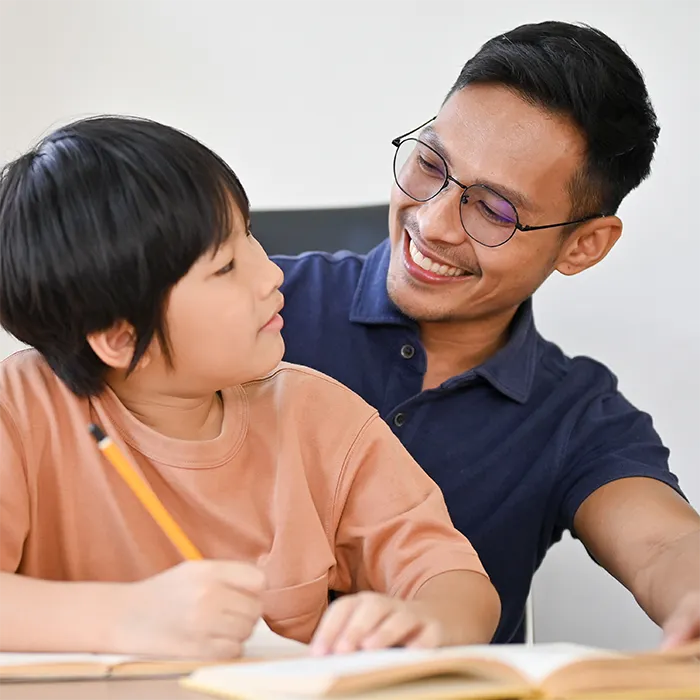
column 455, row 347
column 184, row 418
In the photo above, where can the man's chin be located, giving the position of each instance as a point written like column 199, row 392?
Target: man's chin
column 407, row 301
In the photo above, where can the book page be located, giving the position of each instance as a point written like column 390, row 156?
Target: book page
column 305, row 676
column 535, row 662
column 262, row 642
column 315, row 676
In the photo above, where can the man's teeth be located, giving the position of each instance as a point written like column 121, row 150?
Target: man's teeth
column 431, row 266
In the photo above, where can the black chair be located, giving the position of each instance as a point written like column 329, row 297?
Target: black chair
column 294, row 231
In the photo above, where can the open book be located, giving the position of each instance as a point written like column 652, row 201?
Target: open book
column 507, row 671
column 262, row 644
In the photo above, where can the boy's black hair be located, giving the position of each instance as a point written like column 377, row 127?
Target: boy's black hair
column 98, row 222
column 581, row 73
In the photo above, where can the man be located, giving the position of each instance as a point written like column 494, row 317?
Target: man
column 546, row 130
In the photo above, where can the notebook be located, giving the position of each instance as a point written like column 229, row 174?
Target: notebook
column 489, row 672
column 262, row 644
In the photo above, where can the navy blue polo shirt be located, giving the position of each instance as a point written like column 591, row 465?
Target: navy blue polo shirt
column 516, row 444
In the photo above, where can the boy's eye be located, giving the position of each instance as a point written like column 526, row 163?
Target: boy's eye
column 225, row 269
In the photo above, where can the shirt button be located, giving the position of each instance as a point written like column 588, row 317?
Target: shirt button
column 407, row 352
column 399, row 419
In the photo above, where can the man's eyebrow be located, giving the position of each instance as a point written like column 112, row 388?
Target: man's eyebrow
column 431, row 137
column 518, row 199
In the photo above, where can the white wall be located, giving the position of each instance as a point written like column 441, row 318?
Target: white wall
column 303, row 98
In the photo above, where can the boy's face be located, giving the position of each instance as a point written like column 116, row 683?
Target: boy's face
column 222, row 318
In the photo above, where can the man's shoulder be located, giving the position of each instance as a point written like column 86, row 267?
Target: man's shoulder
column 580, row 373
column 585, row 395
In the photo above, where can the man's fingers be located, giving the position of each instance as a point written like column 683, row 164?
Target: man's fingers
column 680, row 630
column 684, row 625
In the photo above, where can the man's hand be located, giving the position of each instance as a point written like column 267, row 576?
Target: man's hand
column 199, row 609
column 683, row 624
column 374, row 621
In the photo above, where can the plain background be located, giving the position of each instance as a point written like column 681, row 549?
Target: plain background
column 303, row 98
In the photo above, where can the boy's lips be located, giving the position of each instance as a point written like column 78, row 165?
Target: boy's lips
column 276, row 322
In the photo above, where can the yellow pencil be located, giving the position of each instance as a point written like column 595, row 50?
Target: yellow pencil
column 144, row 493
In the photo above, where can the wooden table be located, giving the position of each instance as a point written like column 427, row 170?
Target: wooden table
column 160, row 689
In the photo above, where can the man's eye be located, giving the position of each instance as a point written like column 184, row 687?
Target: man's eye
column 225, row 269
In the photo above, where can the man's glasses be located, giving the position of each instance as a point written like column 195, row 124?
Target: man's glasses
column 487, row 217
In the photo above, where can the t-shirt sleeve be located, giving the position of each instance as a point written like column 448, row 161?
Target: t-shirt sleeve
column 14, row 495
column 612, row 440
column 393, row 531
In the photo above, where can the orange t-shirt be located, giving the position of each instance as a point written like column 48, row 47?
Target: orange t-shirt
column 304, row 480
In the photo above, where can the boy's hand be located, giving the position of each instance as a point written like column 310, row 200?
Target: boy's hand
column 374, row 621
column 198, row 609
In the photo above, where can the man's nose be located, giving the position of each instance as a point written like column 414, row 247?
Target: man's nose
column 439, row 218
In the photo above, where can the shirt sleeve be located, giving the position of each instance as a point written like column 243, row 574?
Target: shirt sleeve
column 393, row 532
column 612, row 440
column 14, row 495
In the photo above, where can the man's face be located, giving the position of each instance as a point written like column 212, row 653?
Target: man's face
column 488, row 135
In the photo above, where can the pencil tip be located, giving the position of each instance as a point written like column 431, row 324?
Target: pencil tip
column 96, row 432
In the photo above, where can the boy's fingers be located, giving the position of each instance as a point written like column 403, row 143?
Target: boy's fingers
column 332, row 625
column 370, row 612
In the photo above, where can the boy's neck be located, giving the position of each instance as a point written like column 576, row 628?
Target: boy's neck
column 184, row 418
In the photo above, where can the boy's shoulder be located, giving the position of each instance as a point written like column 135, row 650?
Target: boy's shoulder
column 295, row 386
column 300, row 380
column 25, row 366
column 27, row 382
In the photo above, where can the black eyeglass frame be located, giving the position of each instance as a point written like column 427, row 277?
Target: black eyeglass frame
column 465, row 188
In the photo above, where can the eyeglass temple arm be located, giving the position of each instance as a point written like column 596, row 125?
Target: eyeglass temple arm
column 396, row 142
column 520, row 227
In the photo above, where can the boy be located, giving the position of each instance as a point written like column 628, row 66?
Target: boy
column 126, row 262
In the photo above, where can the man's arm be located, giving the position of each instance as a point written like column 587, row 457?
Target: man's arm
column 648, row 538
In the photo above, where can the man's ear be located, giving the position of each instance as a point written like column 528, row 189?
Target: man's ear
column 588, row 245
column 115, row 346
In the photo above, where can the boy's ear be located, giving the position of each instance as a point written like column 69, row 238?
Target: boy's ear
column 588, row 245
column 115, row 346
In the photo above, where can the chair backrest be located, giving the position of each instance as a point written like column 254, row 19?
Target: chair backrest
column 294, row 231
